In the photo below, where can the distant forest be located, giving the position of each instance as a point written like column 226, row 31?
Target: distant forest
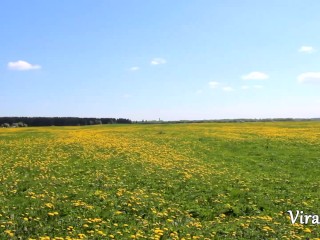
column 57, row 121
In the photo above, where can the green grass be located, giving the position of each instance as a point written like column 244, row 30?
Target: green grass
column 175, row 181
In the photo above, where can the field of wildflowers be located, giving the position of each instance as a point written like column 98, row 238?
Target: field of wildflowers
column 175, row 181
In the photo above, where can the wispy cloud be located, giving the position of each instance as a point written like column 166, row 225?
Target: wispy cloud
column 158, row 61
column 257, row 86
column 227, row 89
column 134, row 68
column 246, row 87
column 22, row 66
column 306, row 49
column 309, row 77
column 255, row 76
column 213, row 84
column 199, row 91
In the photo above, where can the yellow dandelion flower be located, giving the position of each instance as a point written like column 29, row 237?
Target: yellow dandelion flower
column 81, row 235
column 307, row 230
column 49, row 205
column 9, row 232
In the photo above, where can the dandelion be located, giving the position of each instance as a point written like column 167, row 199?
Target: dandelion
column 101, row 233
column 70, row 228
column 81, row 235
column 53, row 214
column 49, row 205
column 307, row 230
column 9, row 232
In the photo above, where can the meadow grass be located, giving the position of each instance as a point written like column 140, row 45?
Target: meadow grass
column 168, row 181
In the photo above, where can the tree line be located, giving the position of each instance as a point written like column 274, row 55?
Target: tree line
column 58, row 121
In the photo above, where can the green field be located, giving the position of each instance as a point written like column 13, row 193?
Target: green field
column 174, row 181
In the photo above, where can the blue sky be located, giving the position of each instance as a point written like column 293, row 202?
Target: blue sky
column 160, row 59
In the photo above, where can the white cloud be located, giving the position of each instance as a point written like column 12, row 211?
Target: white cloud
column 306, row 49
column 22, row 66
column 309, row 77
column 246, row 87
column 228, row 89
column 158, row 61
column 255, row 76
column 134, row 69
column 199, row 91
column 213, row 84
